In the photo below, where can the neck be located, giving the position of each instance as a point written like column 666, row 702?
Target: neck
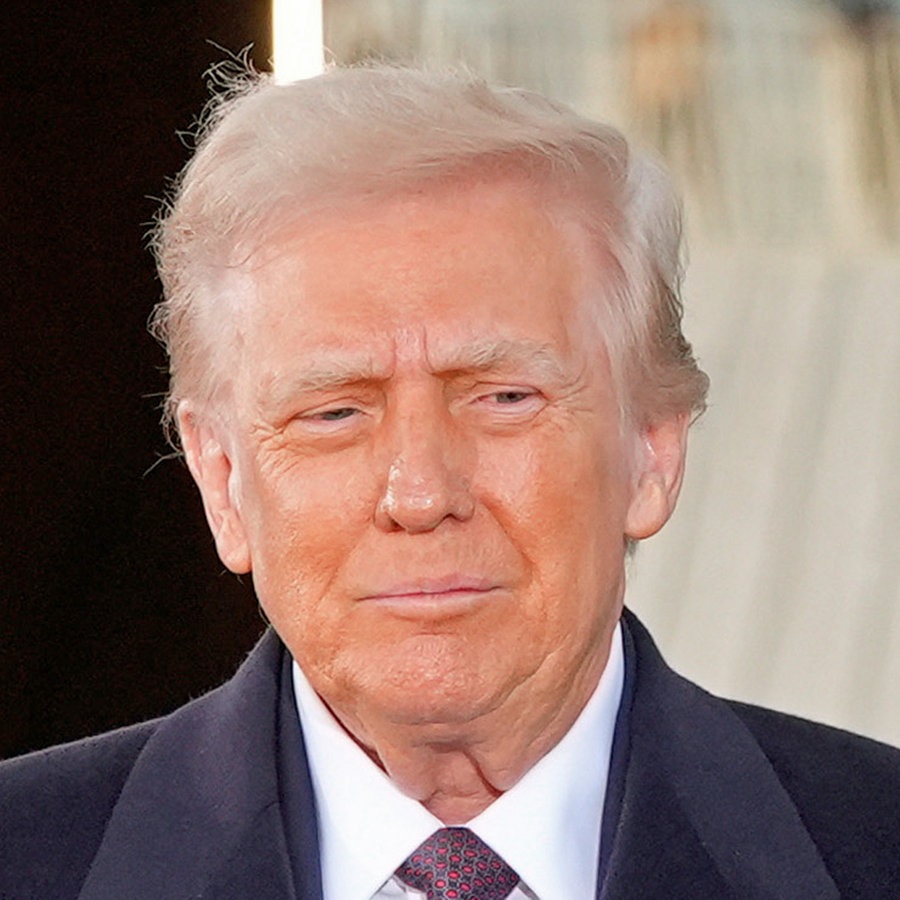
column 456, row 770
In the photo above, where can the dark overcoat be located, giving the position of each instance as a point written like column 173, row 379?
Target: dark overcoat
column 707, row 799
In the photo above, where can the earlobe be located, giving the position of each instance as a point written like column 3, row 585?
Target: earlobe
column 212, row 469
column 660, row 473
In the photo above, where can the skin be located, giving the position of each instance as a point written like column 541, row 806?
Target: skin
column 422, row 463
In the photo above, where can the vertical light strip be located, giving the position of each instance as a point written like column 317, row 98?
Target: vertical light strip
column 297, row 39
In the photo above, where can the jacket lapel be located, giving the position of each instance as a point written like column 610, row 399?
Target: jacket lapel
column 702, row 813
column 200, row 815
column 700, row 810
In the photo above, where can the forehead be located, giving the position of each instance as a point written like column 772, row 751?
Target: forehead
column 471, row 252
column 469, row 279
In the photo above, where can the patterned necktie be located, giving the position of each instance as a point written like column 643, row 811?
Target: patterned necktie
column 455, row 864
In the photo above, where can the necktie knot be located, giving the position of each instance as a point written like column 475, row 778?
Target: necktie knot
column 455, row 864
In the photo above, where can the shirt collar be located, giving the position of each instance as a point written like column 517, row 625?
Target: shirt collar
column 547, row 826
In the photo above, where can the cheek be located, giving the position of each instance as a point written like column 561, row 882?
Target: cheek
column 562, row 503
column 306, row 520
column 565, row 482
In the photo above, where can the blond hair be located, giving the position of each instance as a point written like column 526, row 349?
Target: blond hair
column 271, row 155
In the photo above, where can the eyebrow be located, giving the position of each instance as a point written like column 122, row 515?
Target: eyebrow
column 335, row 370
column 327, row 372
column 534, row 357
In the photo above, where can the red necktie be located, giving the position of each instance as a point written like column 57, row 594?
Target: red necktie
column 455, row 864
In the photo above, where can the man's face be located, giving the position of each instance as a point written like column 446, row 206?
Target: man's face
column 423, row 465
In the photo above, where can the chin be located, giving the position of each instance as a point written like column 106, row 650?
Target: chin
column 432, row 683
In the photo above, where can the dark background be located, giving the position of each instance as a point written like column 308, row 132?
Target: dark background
column 113, row 606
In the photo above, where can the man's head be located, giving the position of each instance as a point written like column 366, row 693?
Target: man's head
column 273, row 157
column 429, row 376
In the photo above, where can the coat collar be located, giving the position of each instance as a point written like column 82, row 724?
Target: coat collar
column 200, row 814
column 700, row 812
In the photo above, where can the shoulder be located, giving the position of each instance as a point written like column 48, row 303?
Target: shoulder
column 846, row 789
column 59, row 807
column 737, row 763
column 54, row 807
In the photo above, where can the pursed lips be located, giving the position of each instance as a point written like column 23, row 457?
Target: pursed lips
column 431, row 590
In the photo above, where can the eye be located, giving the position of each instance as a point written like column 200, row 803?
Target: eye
column 512, row 396
column 509, row 404
column 334, row 415
column 328, row 420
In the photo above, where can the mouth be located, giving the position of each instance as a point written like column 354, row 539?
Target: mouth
column 443, row 595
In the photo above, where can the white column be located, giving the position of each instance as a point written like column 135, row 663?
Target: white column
column 297, row 39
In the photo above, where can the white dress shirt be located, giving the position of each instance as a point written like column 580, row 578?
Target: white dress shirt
column 547, row 826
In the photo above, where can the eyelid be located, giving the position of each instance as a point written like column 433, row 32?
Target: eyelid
column 319, row 403
column 320, row 414
column 524, row 394
column 495, row 389
column 531, row 401
column 315, row 418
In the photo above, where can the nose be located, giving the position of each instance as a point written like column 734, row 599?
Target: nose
column 426, row 481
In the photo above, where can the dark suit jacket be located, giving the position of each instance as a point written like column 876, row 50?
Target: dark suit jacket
column 707, row 799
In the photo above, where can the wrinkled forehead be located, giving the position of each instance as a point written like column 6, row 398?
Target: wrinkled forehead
column 414, row 246
column 547, row 219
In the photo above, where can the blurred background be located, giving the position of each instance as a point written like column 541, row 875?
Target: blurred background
column 777, row 582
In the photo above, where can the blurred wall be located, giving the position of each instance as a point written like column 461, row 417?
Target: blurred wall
column 778, row 581
column 113, row 606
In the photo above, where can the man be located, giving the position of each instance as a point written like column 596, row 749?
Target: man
column 429, row 376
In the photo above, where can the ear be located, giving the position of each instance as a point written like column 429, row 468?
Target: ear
column 660, row 469
column 214, row 473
